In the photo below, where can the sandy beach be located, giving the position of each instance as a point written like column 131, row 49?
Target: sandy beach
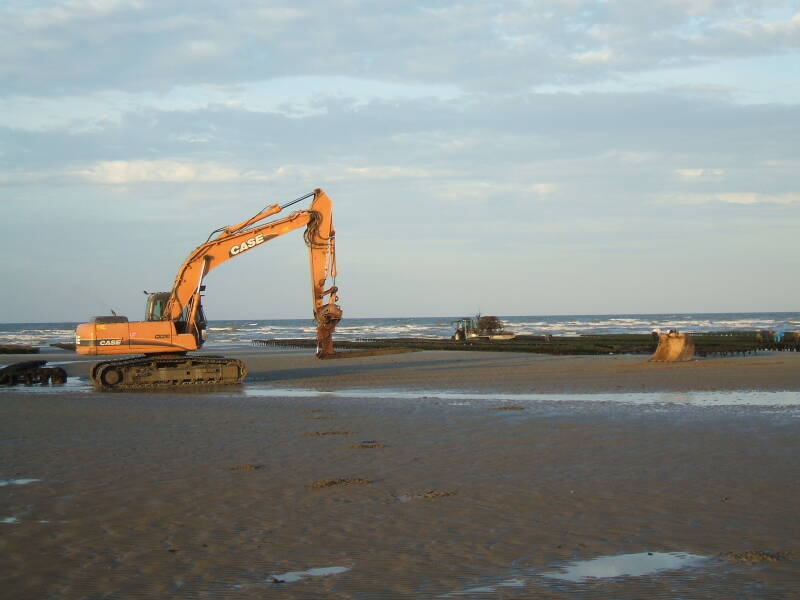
column 411, row 475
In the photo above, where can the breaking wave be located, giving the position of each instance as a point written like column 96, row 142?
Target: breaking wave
column 242, row 332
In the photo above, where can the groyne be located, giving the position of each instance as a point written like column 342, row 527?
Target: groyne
column 723, row 343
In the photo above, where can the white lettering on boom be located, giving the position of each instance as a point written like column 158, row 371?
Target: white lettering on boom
column 247, row 244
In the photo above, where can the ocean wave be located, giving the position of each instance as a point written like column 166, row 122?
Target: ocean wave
column 227, row 333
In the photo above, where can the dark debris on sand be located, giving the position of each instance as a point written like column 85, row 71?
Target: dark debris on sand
column 332, row 481
column 758, row 556
column 368, row 444
column 245, row 467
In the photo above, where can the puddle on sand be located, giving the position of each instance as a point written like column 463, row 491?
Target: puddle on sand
column 458, row 398
column 10, row 520
column 4, row 482
column 719, row 398
column 73, row 384
column 643, row 563
column 294, row 576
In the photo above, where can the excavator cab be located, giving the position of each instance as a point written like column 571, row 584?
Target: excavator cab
column 155, row 310
column 156, row 303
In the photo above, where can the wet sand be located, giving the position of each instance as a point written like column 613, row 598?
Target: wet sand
column 212, row 495
column 530, row 373
column 507, row 372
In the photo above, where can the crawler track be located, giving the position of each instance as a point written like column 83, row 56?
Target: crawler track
column 167, row 372
column 32, row 372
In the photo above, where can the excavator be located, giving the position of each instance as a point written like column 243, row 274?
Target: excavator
column 175, row 324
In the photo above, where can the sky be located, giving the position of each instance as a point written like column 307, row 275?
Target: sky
column 511, row 157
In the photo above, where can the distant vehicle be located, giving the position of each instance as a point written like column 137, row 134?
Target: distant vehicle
column 480, row 328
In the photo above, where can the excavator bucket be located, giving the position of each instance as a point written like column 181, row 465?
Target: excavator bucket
column 673, row 347
column 327, row 317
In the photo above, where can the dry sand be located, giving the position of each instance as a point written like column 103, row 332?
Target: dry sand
column 211, row 495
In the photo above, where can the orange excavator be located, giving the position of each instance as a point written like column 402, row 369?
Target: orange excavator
column 174, row 322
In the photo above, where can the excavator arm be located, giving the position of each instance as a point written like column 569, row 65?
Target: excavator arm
column 229, row 242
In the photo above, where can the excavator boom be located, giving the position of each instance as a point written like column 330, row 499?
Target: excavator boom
column 175, row 323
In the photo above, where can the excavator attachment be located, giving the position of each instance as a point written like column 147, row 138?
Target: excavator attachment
column 327, row 317
column 673, row 347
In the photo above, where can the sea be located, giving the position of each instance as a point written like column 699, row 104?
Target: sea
column 236, row 333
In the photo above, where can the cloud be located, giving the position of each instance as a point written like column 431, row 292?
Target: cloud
column 139, row 171
column 742, row 198
column 622, row 146
column 758, row 198
column 465, row 191
column 544, row 189
column 701, row 174
column 127, row 172
column 594, row 57
column 527, row 139
column 76, row 47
